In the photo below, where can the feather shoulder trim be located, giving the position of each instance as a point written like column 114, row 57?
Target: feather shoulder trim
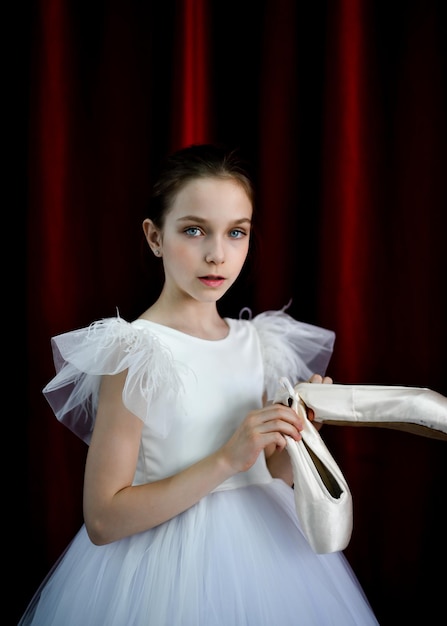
column 109, row 346
column 291, row 348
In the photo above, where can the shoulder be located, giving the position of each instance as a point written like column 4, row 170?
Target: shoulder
column 108, row 347
column 280, row 326
column 106, row 340
column 289, row 347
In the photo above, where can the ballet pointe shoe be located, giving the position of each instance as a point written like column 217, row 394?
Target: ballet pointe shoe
column 323, row 499
column 417, row 410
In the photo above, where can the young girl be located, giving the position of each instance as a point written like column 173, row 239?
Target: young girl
column 188, row 501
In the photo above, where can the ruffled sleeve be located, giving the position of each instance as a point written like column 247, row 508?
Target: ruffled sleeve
column 290, row 348
column 109, row 346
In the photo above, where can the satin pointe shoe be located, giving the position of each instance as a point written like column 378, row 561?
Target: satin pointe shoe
column 417, row 410
column 323, row 499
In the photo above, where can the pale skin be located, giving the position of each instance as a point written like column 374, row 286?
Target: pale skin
column 203, row 245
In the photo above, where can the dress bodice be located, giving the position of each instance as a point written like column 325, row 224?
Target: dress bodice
column 221, row 381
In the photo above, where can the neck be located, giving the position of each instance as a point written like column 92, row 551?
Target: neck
column 200, row 319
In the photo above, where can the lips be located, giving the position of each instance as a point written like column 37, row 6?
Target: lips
column 212, row 281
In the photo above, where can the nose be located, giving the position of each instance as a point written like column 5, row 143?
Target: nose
column 215, row 251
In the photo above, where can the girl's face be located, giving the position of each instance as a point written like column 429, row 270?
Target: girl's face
column 205, row 238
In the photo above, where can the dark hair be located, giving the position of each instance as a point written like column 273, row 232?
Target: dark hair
column 190, row 163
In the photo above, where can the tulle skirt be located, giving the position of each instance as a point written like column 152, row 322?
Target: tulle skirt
column 237, row 558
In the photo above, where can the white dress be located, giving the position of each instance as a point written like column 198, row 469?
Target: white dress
column 236, row 558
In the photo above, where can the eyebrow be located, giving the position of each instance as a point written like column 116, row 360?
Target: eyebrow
column 201, row 220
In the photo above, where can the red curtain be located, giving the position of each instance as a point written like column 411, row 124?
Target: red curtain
column 341, row 108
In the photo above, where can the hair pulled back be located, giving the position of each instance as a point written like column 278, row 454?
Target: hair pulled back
column 190, row 163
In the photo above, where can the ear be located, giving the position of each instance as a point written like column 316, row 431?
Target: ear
column 153, row 236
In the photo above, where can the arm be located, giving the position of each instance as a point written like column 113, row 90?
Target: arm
column 114, row 508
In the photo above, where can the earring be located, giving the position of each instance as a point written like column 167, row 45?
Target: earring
column 156, row 251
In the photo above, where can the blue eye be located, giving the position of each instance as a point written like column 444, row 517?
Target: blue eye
column 192, row 231
column 236, row 233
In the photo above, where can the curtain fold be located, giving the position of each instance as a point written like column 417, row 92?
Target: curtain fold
column 191, row 79
column 277, row 190
column 350, row 212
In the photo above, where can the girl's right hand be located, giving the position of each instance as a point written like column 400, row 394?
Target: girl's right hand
column 263, row 428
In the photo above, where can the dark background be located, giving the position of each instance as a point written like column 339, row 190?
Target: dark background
column 341, row 108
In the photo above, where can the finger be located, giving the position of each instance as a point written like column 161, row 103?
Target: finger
column 317, row 378
column 280, row 411
column 283, row 425
column 276, row 417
